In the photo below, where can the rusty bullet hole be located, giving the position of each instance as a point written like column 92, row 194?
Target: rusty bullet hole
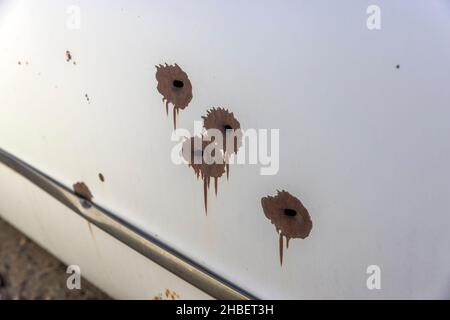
column 175, row 87
column 290, row 212
column 82, row 191
column 223, row 120
column 290, row 217
column 178, row 84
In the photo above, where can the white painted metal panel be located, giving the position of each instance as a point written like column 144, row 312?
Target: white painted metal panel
column 364, row 145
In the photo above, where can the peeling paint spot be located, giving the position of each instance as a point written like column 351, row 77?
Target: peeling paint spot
column 290, row 217
column 204, row 167
column 175, row 87
column 223, row 120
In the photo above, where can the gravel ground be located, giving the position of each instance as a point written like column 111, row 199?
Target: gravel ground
column 29, row 272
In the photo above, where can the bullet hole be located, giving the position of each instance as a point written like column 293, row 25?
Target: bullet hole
column 290, row 212
column 397, row 66
column 87, row 98
column 82, row 191
column 175, row 87
column 19, row 63
column 290, row 217
column 178, row 84
column 223, row 120
column 101, row 177
column 68, row 56
column 205, row 165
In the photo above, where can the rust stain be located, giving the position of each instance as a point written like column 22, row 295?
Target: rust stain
column 82, row 190
column 172, row 295
column 175, row 87
column 158, row 297
column 223, row 120
column 204, row 164
column 290, row 217
column 68, row 56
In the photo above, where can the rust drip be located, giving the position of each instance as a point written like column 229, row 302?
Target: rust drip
column 290, row 217
column 175, row 87
column 205, row 166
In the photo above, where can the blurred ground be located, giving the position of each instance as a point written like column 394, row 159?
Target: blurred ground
column 29, row 272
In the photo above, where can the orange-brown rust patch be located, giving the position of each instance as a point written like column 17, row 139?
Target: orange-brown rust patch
column 82, row 190
column 172, row 295
column 224, row 121
column 203, row 163
column 290, row 217
column 175, row 87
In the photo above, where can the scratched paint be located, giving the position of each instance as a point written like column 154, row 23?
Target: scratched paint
column 290, row 217
column 223, row 120
column 175, row 87
column 203, row 164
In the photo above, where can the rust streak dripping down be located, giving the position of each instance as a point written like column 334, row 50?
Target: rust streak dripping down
column 205, row 193
column 281, row 249
column 193, row 152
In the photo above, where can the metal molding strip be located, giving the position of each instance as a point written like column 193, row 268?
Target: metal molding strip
column 153, row 249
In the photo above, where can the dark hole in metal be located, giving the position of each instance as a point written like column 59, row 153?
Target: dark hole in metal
column 228, row 127
column 178, row 84
column 86, row 204
column 290, row 212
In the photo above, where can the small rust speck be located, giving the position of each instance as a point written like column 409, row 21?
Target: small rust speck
column 175, row 87
column 172, row 295
column 82, row 190
column 290, row 217
column 68, row 56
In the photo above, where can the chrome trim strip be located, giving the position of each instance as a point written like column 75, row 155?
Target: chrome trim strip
column 173, row 261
